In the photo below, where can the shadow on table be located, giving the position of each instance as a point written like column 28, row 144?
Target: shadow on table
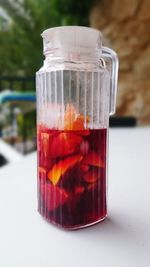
column 106, row 227
column 112, row 231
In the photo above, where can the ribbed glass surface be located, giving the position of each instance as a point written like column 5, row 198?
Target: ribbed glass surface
column 88, row 92
column 72, row 122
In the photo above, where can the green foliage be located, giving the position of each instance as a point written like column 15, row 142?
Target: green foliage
column 21, row 44
column 26, row 124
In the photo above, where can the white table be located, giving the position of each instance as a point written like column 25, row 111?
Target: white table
column 9, row 153
column 122, row 240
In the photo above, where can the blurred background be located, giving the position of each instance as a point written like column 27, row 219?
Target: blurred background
column 125, row 28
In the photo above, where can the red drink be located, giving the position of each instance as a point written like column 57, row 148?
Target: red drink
column 72, row 176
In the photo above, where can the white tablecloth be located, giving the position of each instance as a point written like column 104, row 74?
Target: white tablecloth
column 122, row 240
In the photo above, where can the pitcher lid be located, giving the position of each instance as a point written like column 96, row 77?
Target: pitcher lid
column 74, row 40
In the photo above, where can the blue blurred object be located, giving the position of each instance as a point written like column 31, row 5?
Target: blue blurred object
column 8, row 96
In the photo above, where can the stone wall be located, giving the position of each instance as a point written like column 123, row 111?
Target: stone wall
column 125, row 25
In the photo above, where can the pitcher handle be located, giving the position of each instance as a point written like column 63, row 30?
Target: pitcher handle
column 109, row 54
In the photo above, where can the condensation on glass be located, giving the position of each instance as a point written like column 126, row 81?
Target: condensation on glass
column 76, row 93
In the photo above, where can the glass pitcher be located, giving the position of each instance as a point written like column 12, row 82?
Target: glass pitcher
column 76, row 93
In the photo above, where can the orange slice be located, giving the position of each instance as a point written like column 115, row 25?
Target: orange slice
column 70, row 116
column 53, row 196
column 78, row 123
column 42, row 173
column 79, row 190
column 84, row 167
column 45, row 142
column 74, row 121
column 65, row 144
column 61, row 167
column 93, row 159
column 91, row 176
